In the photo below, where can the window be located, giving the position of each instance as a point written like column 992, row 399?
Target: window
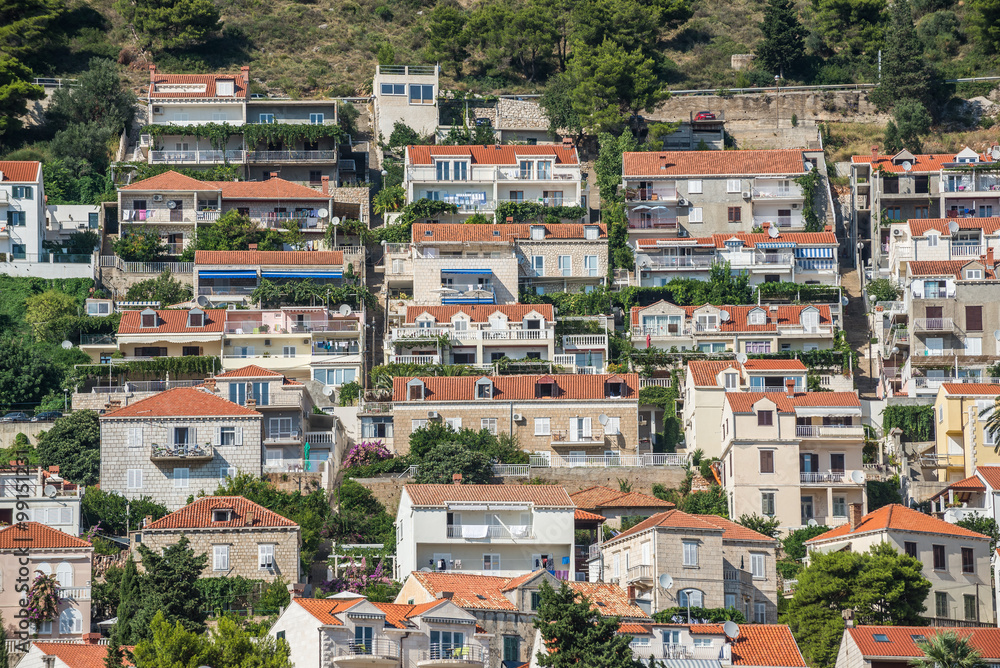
column 543, row 169
column 767, row 504
column 940, row 604
column 70, row 622
column 221, row 515
column 590, row 265
column 182, row 476
column 220, row 557
column 543, row 426
column 265, row 556
column 694, row 598
column 921, row 211
column 484, row 390
column 932, row 240
column 266, row 119
column 590, row 232
column 695, row 215
column 16, row 219
column 134, row 479
column 538, row 264
column 19, row 251
column 613, row 426
column 734, row 185
column 973, row 274
column 970, row 607
column 765, row 418
column 148, row 319
column 64, row 574
column 288, row 351
column 694, row 187
column 489, row 424
column 187, row 351
column 616, row 565
column 757, row 562
column 968, row 560
column 735, row 214
column 22, row 192
column 134, row 437
column 939, row 561
column 316, row 119
column 732, row 381
column 393, row 89
column 418, row 424
column 341, row 376
column 881, row 637
column 227, row 436
column 910, row 548
column 730, row 600
column 892, row 212
column 973, row 318
column 421, row 94
column 690, row 553
column 491, row 562
column 512, row 644
column 840, row 506
column 757, row 347
column 767, row 461
column 760, row 612
column 565, row 265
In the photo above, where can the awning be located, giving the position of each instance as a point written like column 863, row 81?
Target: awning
column 467, row 271
column 690, row 663
column 775, row 244
column 302, row 274
column 227, row 274
column 813, row 252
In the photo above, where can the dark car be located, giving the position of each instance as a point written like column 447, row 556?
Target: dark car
column 16, row 416
column 47, row 416
column 705, row 116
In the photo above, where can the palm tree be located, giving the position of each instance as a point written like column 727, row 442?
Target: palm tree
column 948, row 650
column 992, row 423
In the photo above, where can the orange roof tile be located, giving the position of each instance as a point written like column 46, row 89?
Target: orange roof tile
column 480, row 313
column 199, row 515
column 172, row 322
column 969, row 483
column 978, row 389
column 171, row 180
column 80, row 655
column 584, row 516
column 250, row 371
column 273, row 188
column 633, row 629
column 705, row 372
column 713, row 163
column 35, row 536
column 608, row 599
column 766, row 645
column 505, row 154
column 774, row 365
column 674, row 519
column 513, row 388
column 182, row 402
column 549, row 496
column 922, row 164
column 896, row 517
column 991, row 474
column 23, row 171
column 326, row 609
column 155, row 78
column 504, row 233
column 902, row 644
column 270, row 258
column 920, row 226
column 784, row 316
column 604, row 497
column 734, row 531
column 945, row 268
column 516, row 582
column 743, row 402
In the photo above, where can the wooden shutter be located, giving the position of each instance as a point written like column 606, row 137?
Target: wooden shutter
column 974, row 318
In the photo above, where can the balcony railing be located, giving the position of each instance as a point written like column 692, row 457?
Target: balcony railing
column 414, row 359
column 757, row 258
column 776, row 192
column 829, row 431
column 451, row 655
column 377, row 648
column 291, row 156
column 606, row 461
column 277, row 436
column 584, row 341
column 824, row 477
column 638, row 222
column 194, row 157
column 966, row 250
column 284, row 465
column 780, row 221
column 98, row 340
column 179, row 451
column 491, row 531
column 933, row 324
column 74, row 593
column 226, row 290
column 638, row 573
column 518, row 174
column 593, row 551
column 661, row 330
column 653, row 194
column 576, row 436
column 678, row 262
column 376, row 408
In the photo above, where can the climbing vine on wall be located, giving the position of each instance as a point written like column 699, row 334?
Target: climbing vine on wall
column 917, row 422
column 218, row 134
column 530, row 212
column 809, row 183
column 175, row 366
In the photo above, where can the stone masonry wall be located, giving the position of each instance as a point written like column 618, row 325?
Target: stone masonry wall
column 577, row 249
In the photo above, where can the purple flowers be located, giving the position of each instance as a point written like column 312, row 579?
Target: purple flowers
column 365, row 453
column 357, row 579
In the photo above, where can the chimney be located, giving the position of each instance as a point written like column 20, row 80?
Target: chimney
column 274, row 175
column 854, row 515
column 296, row 590
column 989, row 258
column 147, row 520
column 456, row 478
column 251, row 403
column 245, row 73
column 249, row 517
column 874, row 152
column 210, row 384
column 631, row 594
column 445, row 594
column 152, row 71
column 790, row 387
column 91, row 638
column 326, row 185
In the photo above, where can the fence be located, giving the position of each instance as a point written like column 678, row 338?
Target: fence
column 607, row 461
column 146, row 267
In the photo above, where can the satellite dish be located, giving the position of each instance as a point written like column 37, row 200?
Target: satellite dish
column 66, row 345
column 425, row 569
column 202, row 300
column 812, row 522
column 952, row 227
column 344, row 309
column 603, row 419
column 907, row 165
column 666, row 581
column 328, row 391
column 741, row 358
column 808, row 166
column 171, row 204
column 995, row 153
column 323, row 213
column 857, row 477
column 51, row 491
column 996, row 334
column 773, row 232
column 724, row 315
column 335, row 221
column 731, row 629
column 844, row 301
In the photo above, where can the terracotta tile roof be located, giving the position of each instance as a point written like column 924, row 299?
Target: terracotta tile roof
column 515, row 388
column 901, row 643
column 398, row 615
column 171, row 181
column 24, row 171
column 273, row 188
column 506, row 232
column 79, row 655
column 945, row 268
column 480, row 313
column 700, row 629
column 584, row 516
column 467, row 589
column 783, row 316
column 734, row 531
column 714, row 163
column 35, row 536
column 978, row 389
column 198, row 515
column 633, row 629
column 922, row 164
column 766, row 645
column 895, row 517
column 182, row 402
column 599, row 496
column 705, row 373
column 239, row 86
column 742, row 402
column 250, row 371
column 172, row 322
column 920, row 226
column 608, row 599
column 549, row 496
column 326, row 609
column 505, row 154
column 969, row 483
column 673, row 519
column 774, row 365
column 270, row 258
column 514, row 583
column 749, row 239
column 991, row 474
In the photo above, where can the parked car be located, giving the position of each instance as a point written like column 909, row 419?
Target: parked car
column 705, row 116
column 47, row 416
column 16, row 416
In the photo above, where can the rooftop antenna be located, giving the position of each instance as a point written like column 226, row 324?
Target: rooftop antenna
column 952, row 227
column 741, row 358
column 724, row 315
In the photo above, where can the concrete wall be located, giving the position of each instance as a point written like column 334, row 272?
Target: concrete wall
column 10, row 430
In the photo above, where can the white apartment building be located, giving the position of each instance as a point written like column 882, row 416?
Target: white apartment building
column 939, row 240
column 405, row 94
column 42, row 496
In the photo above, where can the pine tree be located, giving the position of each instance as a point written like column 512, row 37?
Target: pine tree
column 170, row 587
column 784, row 37
column 904, row 74
column 129, row 603
column 116, row 656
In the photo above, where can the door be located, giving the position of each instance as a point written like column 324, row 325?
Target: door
column 933, row 315
column 807, row 509
column 177, row 211
column 784, row 217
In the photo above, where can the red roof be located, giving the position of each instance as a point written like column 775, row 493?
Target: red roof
column 677, row 519
column 35, row 536
column 208, row 80
column 273, row 188
column 901, row 643
column 270, row 258
column 743, row 402
column 749, row 239
column 480, row 313
column 171, row 181
column 895, row 517
column 506, row 232
column 921, row 164
column 774, row 365
column 199, row 515
column 182, row 402
column 604, row 497
column 946, row 267
column 783, row 316
column 584, row 516
column 23, row 171
column 515, row 388
column 79, row 655
column 250, row 371
column 734, row 531
column 978, row 389
column 505, row 154
column 714, row 163
column 766, row 645
column 705, row 372
column 991, row 474
column 172, row 322
column 549, row 496
column 969, row 483
column 920, row 226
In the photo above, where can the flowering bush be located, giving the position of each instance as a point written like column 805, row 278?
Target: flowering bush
column 365, row 453
column 43, row 599
column 357, row 579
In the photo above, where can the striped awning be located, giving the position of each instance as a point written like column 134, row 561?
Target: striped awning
column 776, row 244
column 302, row 274
column 690, row 663
column 813, row 252
column 227, row 274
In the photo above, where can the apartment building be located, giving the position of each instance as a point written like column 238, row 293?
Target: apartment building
column 40, row 495
column 699, row 193
column 478, row 179
column 500, row 530
column 488, row 264
column 956, row 560
column 180, row 105
column 766, row 257
column 405, row 94
column 761, row 431
column 707, row 558
column 897, row 646
column 739, row 329
column 770, row 645
column 160, row 333
column 970, row 496
column 940, row 240
column 962, row 444
column 555, row 416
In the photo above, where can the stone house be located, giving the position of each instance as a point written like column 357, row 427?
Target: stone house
column 240, row 537
column 614, row 505
column 30, row 548
column 178, row 444
column 161, row 333
column 896, row 646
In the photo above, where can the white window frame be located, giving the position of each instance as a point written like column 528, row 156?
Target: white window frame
column 613, row 426
column 695, row 187
column 489, row 424
column 566, row 265
column 538, row 264
column 220, row 557
column 265, row 556
column 418, row 424
column 265, row 119
column 494, row 560
column 543, row 426
column 317, row 119
column 734, row 186
column 696, row 214
column 758, row 565
column 454, row 422
column 690, row 549
column 590, row 265
column 732, row 381
column 134, row 479
column 182, row 478
column 760, row 613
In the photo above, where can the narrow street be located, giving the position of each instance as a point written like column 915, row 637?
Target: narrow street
column 857, row 333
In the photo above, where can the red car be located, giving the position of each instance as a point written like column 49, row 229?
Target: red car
column 705, row 116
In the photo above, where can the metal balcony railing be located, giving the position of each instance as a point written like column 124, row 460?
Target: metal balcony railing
column 823, row 477
column 829, row 431
column 452, row 654
column 492, row 531
column 933, row 324
column 374, row 648
column 180, row 451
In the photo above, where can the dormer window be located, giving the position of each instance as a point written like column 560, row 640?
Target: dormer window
column 224, row 87
column 615, row 387
column 484, row 389
column 460, row 324
column 221, row 515
column 732, row 381
column 196, row 318
column 496, row 233
column 532, row 323
column 428, row 233
column 546, row 387
column 148, row 318
column 757, row 317
column 590, row 232
column 537, row 233
column 810, row 319
column 973, row 274
column 415, row 390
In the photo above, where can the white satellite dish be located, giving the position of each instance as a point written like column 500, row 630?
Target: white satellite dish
column 844, row 301
column 644, row 260
column 202, row 301
column 773, row 232
column 603, row 419
column 335, row 221
column 952, row 227
column 907, row 165
column 666, row 581
column 323, row 213
column 171, row 204
column 857, row 477
column 425, row 569
column 51, row 491
column 996, row 334
column 731, row 629
column 808, row 166
column 328, row 391
column 724, row 315
column 741, row 358
column 344, row 309
column 812, row 522
column 66, row 345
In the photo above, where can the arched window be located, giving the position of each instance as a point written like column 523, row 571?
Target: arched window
column 693, row 597
column 70, row 622
column 45, row 567
column 64, row 574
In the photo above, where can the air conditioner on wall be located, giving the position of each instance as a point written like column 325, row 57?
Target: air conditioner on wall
column 897, row 232
column 432, row 415
column 795, row 206
column 157, row 110
column 746, row 194
column 157, row 198
column 518, row 417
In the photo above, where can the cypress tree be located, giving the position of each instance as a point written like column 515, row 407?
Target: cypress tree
column 784, row 37
column 129, row 603
column 904, row 73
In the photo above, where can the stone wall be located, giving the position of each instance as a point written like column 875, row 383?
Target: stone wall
column 356, row 201
column 844, row 105
column 10, row 430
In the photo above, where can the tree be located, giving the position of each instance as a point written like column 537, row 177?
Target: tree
column 170, row 585
column 46, row 313
column 882, row 493
column 784, row 37
column 992, row 425
column 576, row 634
column 608, row 166
column 174, row 645
column 424, row 439
column 74, row 445
column 984, row 525
column 557, row 101
column 4, row 652
column 389, row 200
column 360, row 517
column 767, row 526
column 891, row 142
column 16, row 90
column 28, row 373
column 985, row 22
column 904, row 74
column 164, row 289
column 171, row 24
column 100, row 96
column 402, row 136
column 882, row 290
column 794, row 543
column 129, row 604
column 947, row 649
column 234, row 231
column 912, row 121
column 728, row 288
column 24, row 27
column 114, row 514
column 444, row 460
column 882, row 587
column 85, row 141
column 139, row 244
column 115, row 657
column 446, row 36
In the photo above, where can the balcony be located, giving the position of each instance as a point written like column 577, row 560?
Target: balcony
column 652, row 222
column 376, row 653
column 414, row 359
column 661, row 330
column 73, row 593
column 576, row 437
column 181, row 452
column 286, row 465
column 584, row 341
column 641, row 574
column 466, row 294
column 934, row 325
column 829, row 431
column 734, row 580
column 336, row 349
column 376, row 408
column 554, row 174
column 277, row 437
column 98, row 340
column 665, row 262
column 779, row 221
column 824, row 478
column 966, row 250
column 651, row 194
column 292, row 156
column 227, row 290
column 448, row 656
column 210, row 157
column 768, row 260
column 490, row 531
column 777, row 192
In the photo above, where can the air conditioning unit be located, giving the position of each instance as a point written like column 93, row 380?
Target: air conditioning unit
column 682, row 202
column 518, row 417
column 795, row 206
column 432, row 415
column 897, row 232
column 157, row 198
column 157, row 110
column 746, row 194
column 305, row 342
column 267, row 342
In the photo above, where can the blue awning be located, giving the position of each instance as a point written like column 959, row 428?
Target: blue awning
column 302, row 274
column 478, row 272
column 776, row 244
column 227, row 274
column 813, row 252
column 467, row 300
